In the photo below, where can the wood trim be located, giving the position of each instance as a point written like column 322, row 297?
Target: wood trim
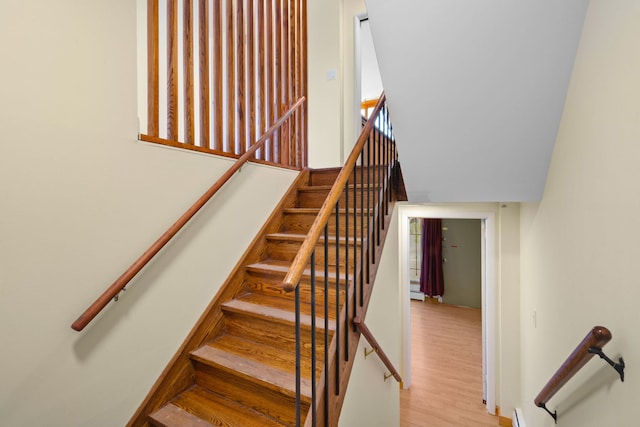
column 598, row 337
column 505, row 421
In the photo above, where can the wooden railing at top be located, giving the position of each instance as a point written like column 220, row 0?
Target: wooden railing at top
column 117, row 286
column 366, row 105
column 248, row 60
column 595, row 339
column 364, row 330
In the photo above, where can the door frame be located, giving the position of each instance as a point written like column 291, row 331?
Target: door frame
column 489, row 260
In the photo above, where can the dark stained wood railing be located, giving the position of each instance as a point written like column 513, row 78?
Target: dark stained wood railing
column 357, row 209
column 595, row 340
column 231, row 68
column 117, row 286
column 364, row 330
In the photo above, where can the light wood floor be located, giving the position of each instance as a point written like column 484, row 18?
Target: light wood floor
column 446, row 369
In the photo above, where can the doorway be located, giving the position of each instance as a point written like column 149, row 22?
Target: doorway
column 488, row 287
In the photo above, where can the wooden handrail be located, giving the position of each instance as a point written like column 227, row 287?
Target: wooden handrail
column 308, row 246
column 372, row 341
column 117, row 286
column 596, row 338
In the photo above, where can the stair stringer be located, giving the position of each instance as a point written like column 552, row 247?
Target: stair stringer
column 179, row 373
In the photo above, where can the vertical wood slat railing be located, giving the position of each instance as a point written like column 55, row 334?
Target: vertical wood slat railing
column 245, row 60
column 359, row 204
column 112, row 291
column 591, row 345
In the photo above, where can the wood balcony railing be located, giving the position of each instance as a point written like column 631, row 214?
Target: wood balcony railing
column 112, row 291
column 591, row 345
column 227, row 71
column 359, row 202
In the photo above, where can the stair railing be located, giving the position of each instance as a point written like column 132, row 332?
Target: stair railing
column 355, row 212
column 229, row 70
column 591, row 345
column 376, row 348
column 113, row 291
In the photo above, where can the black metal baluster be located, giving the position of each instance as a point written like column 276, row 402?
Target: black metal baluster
column 337, row 333
column 379, row 185
column 369, row 240
column 298, row 355
column 355, row 241
column 314, row 353
column 326, row 325
column 346, row 271
column 362, row 248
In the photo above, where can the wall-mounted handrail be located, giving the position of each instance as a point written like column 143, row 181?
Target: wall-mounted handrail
column 376, row 347
column 592, row 344
column 117, row 286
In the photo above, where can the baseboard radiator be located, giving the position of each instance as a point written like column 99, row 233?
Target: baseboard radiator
column 518, row 419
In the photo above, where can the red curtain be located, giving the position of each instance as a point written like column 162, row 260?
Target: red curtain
column 431, row 275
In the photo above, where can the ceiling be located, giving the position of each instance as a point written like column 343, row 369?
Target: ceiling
column 476, row 91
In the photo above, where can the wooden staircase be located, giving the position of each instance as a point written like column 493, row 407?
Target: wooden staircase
column 237, row 367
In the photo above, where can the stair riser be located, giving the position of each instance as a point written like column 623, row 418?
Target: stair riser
column 312, row 198
column 278, row 405
column 272, row 286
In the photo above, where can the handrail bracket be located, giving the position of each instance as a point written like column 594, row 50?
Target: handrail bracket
column 553, row 414
column 619, row 367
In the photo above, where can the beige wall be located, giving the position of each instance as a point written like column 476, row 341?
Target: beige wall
column 332, row 130
column 580, row 243
column 371, row 401
column 81, row 199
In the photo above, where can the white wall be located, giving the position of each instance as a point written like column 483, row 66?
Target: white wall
column 580, row 243
column 81, row 199
column 332, row 130
column 371, row 401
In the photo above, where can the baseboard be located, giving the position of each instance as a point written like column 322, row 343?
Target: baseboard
column 505, row 421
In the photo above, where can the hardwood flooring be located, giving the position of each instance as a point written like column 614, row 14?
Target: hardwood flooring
column 446, row 369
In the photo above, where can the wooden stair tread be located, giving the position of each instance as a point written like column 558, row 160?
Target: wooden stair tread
column 316, row 211
column 325, row 187
column 207, row 409
column 280, row 267
column 268, row 376
column 299, row 237
column 273, row 314
column 171, row 415
column 267, row 354
column 285, row 304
